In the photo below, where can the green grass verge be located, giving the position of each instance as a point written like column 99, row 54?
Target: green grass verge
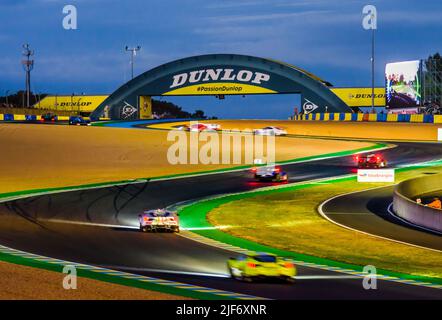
column 104, row 123
column 307, row 236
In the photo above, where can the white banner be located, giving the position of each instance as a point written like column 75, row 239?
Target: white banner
column 439, row 134
column 375, row 175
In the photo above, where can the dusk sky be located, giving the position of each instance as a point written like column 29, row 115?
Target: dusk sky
column 322, row 36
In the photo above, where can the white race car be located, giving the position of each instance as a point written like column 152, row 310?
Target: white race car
column 160, row 219
column 270, row 131
column 199, row 127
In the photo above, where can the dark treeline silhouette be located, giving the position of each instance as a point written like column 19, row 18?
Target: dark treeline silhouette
column 18, row 99
column 165, row 109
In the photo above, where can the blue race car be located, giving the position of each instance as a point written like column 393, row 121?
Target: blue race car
column 78, row 121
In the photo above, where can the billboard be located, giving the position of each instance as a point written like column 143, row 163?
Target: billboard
column 80, row 103
column 403, row 84
column 377, row 175
column 145, row 105
column 360, row 97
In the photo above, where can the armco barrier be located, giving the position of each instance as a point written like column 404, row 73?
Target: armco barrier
column 370, row 117
column 406, row 207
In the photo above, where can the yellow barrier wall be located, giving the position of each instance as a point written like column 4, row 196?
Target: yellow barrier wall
column 70, row 103
column 360, row 97
column 417, row 118
column 19, row 117
column 372, row 117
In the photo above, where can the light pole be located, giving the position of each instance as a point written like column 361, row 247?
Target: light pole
column 6, row 95
column 372, row 68
column 369, row 22
column 28, row 65
column 133, row 54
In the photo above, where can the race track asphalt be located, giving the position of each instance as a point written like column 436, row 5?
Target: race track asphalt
column 28, row 224
column 368, row 211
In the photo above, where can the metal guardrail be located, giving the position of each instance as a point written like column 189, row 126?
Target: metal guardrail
column 407, row 208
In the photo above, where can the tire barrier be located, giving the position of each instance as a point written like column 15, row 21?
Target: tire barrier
column 370, row 117
column 406, row 207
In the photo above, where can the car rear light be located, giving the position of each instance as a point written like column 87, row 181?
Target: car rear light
column 253, row 169
column 277, row 169
column 356, row 158
column 251, row 265
column 288, row 265
column 145, row 218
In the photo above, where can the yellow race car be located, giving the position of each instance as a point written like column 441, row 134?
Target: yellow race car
column 261, row 265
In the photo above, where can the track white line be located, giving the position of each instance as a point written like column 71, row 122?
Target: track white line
column 119, row 226
column 153, row 270
column 325, row 216
column 223, row 275
column 327, row 277
column 92, row 224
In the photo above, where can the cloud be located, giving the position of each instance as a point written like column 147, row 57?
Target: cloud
column 425, row 18
column 234, row 4
column 263, row 17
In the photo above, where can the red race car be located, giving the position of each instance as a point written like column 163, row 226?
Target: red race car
column 370, row 161
column 48, row 117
